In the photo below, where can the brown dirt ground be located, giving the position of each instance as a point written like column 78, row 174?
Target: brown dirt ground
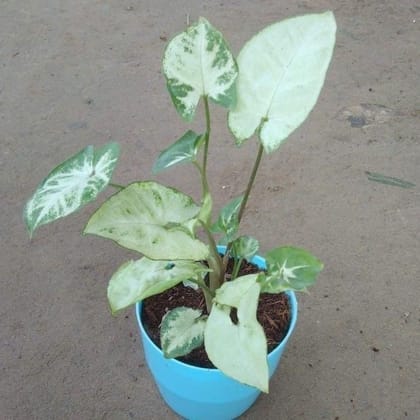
column 86, row 71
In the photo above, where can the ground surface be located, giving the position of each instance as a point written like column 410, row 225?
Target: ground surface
column 86, row 71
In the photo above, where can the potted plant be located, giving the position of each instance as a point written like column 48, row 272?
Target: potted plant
column 268, row 91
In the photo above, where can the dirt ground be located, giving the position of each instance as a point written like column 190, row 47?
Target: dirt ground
column 86, row 71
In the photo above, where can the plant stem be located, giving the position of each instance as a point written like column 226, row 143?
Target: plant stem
column 207, row 135
column 204, row 183
column 250, row 182
column 206, row 200
column 216, row 266
column 215, row 261
column 245, row 199
column 203, row 286
column 236, row 268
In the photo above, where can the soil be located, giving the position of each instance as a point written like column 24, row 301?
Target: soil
column 273, row 314
column 88, row 71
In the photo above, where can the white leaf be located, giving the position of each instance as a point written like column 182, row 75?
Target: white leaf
column 281, row 72
column 238, row 349
column 153, row 219
column 137, row 280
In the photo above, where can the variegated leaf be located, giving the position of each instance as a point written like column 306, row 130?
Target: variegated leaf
column 153, row 219
column 198, row 63
column 137, row 280
column 227, row 222
column 71, row 185
column 244, row 247
column 238, row 349
column 290, row 268
column 281, row 72
column 181, row 331
column 183, row 150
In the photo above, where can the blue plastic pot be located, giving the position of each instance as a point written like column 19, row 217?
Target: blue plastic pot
column 206, row 394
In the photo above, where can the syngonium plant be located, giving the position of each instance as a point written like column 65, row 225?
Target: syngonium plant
column 269, row 91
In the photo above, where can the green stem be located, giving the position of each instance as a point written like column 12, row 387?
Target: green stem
column 245, row 199
column 206, row 200
column 207, row 135
column 204, row 183
column 202, row 285
column 236, row 268
column 208, row 296
column 250, row 182
column 216, row 265
column 215, row 261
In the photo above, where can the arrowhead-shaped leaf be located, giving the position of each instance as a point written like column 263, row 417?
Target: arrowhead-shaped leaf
column 281, row 72
column 137, row 280
column 227, row 222
column 150, row 218
column 238, row 349
column 244, row 247
column 183, row 150
column 71, row 185
column 198, row 63
column 290, row 268
column 181, row 331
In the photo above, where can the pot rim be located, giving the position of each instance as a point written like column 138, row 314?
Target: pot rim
column 260, row 262
column 293, row 306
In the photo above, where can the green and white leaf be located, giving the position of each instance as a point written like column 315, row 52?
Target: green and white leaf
column 244, row 247
column 282, row 70
column 198, row 63
column 137, row 280
column 231, row 293
column 183, row 150
column 153, row 219
column 72, row 184
column 191, row 284
column 181, row 331
column 290, row 268
column 238, row 350
column 227, row 222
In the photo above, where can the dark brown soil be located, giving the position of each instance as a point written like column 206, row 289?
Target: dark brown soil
column 273, row 314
